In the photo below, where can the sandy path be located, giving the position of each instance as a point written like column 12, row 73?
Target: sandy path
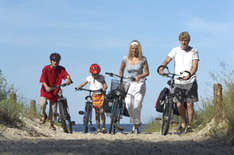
column 15, row 141
column 126, row 144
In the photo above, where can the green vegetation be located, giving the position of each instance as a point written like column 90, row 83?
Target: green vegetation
column 10, row 108
column 153, row 126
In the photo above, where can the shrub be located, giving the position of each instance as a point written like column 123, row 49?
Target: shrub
column 10, row 108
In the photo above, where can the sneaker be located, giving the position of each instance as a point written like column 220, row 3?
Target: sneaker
column 138, row 131
column 120, row 128
column 189, row 129
column 180, row 130
column 52, row 127
column 43, row 119
column 133, row 129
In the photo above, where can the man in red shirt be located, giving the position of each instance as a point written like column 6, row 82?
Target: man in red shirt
column 52, row 75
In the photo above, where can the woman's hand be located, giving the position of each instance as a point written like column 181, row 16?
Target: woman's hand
column 137, row 79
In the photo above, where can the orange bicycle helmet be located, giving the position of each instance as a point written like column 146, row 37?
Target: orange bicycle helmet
column 94, row 69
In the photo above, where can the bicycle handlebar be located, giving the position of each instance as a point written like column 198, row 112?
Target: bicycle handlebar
column 89, row 90
column 169, row 74
column 115, row 75
column 62, row 85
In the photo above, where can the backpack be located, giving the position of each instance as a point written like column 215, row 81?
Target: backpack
column 159, row 106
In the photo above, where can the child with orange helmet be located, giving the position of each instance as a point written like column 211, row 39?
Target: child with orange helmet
column 96, row 82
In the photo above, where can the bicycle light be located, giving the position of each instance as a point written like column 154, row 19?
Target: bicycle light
column 89, row 99
column 110, row 104
column 117, row 92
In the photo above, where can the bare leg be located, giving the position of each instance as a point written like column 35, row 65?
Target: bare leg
column 190, row 113
column 103, row 117
column 181, row 111
column 97, row 118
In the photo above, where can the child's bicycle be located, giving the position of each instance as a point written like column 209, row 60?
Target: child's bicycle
column 64, row 116
column 115, row 99
column 170, row 100
column 87, row 119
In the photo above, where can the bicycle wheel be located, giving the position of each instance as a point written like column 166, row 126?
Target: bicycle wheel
column 166, row 118
column 113, row 117
column 68, row 120
column 62, row 117
column 86, row 121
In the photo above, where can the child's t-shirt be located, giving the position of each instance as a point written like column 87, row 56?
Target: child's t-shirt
column 96, row 84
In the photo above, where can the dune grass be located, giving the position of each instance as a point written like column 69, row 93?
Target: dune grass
column 10, row 108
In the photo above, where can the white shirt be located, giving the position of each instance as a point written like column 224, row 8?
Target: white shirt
column 96, row 84
column 183, row 62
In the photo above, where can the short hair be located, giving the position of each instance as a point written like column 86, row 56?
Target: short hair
column 184, row 35
column 136, row 42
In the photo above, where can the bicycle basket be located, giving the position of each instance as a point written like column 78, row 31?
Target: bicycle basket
column 115, row 84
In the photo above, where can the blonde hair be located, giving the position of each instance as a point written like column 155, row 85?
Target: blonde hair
column 184, row 35
column 135, row 42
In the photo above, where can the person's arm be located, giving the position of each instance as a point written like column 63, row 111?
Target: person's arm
column 193, row 69
column 82, row 84
column 164, row 64
column 145, row 73
column 47, row 88
column 121, row 70
column 104, row 86
column 68, row 81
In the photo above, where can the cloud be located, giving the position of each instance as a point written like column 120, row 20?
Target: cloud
column 214, row 27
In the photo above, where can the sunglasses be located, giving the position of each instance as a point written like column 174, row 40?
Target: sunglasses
column 56, row 60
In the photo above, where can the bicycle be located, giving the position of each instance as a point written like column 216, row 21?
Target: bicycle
column 170, row 106
column 87, row 119
column 64, row 116
column 115, row 99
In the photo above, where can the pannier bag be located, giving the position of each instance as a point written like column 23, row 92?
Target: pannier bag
column 161, row 100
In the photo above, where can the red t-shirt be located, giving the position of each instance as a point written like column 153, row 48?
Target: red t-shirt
column 52, row 77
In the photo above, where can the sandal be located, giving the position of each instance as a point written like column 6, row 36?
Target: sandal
column 189, row 129
column 104, row 130
column 98, row 131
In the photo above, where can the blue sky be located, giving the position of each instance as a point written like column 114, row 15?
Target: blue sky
column 99, row 31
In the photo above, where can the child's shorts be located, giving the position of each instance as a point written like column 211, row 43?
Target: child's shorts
column 98, row 100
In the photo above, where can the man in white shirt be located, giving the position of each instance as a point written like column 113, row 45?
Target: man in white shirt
column 186, row 59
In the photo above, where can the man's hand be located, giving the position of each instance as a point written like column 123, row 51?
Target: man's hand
column 48, row 89
column 161, row 72
column 186, row 77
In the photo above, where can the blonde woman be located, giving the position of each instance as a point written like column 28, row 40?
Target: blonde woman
column 137, row 67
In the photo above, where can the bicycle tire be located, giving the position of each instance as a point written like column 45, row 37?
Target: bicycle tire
column 113, row 117
column 166, row 118
column 117, row 116
column 68, row 121
column 62, row 117
column 87, row 113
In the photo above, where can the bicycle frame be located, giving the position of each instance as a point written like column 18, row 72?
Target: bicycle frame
column 168, row 112
column 116, row 96
column 64, row 116
column 87, row 119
